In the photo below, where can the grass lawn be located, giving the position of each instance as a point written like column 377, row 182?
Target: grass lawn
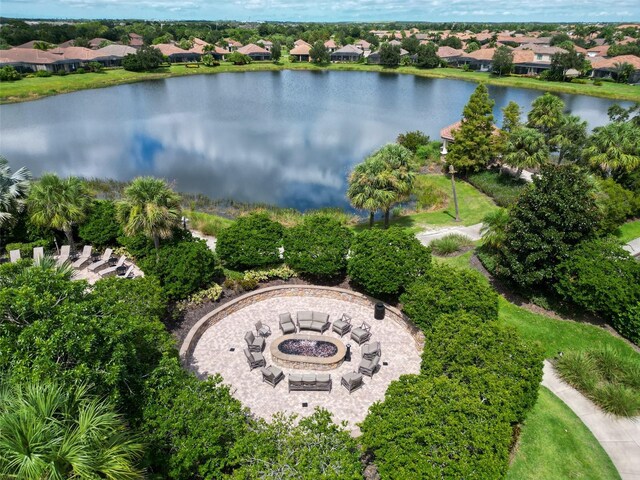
column 459, row 261
column 33, row 88
column 555, row 444
column 207, row 223
column 628, row 231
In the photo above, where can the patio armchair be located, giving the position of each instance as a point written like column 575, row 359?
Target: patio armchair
column 361, row 334
column 352, row 381
column 112, row 270
column 84, row 257
column 369, row 367
column 263, row 330
column 38, row 254
column 371, row 350
column 272, row 375
column 315, row 321
column 255, row 344
column 65, row 251
column 254, row 359
column 102, row 262
column 14, row 256
column 342, row 326
column 286, row 324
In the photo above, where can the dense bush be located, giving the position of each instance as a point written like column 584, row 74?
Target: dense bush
column 504, row 189
column 413, row 140
column 313, row 448
column 141, row 246
column 545, row 223
column 26, row 249
column 183, row 268
column 434, row 428
column 452, row 243
column 9, row 74
column 238, row 58
column 445, row 290
column 252, row 241
column 109, row 337
column 317, row 247
column 190, row 424
column 616, row 204
column 101, row 227
column 146, row 58
column 384, row 262
column 489, row 357
column 602, row 277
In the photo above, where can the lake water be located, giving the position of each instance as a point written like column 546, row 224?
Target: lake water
column 284, row 138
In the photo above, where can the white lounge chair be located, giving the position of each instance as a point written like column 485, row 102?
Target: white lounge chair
column 38, row 254
column 83, row 258
column 102, row 262
column 112, row 270
column 129, row 273
column 65, row 251
column 14, row 256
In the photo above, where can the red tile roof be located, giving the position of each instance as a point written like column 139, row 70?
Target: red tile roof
column 447, row 132
column 300, row 50
column 330, row 44
column 448, row 52
column 299, row 42
column 608, row 63
column 252, row 48
column 170, row 49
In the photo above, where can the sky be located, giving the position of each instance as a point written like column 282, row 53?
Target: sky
column 332, row 10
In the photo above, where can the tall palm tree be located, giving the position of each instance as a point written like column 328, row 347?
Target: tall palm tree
column 615, row 146
column 59, row 203
column 526, row 148
column 569, row 138
column 365, row 192
column 13, row 191
column 546, row 115
column 150, row 207
column 51, row 432
column 493, row 226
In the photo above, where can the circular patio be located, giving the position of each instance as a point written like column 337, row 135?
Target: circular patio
column 216, row 343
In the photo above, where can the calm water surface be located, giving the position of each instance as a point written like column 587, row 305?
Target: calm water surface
column 285, row 138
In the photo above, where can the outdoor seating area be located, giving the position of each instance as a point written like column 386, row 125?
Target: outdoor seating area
column 239, row 348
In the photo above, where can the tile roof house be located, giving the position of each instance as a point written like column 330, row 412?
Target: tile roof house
column 598, row 51
column 299, row 42
column 449, row 54
column 230, row 44
column 31, row 44
column 199, row 46
column 33, row 60
column 96, row 42
column 135, row 40
column 542, row 53
column 607, row 67
column 446, row 134
column 363, row 45
column 374, row 58
column 112, row 55
column 348, row 53
column 177, row 54
column 330, row 45
column 266, row 44
column 300, row 53
column 479, row 60
column 255, row 52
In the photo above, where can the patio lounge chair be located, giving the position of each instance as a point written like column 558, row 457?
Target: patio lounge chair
column 14, row 256
column 65, row 251
column 272, row 375
column 352, row 381
column 315, row 321
column 102, row 262
column 255, row 344
column 286, row 324
column 255, row 359
column 369, row 367
column 342, row 326
column 371, row 350
column 84, row 257
column 361, row 334
column 128, row 273
column 112, row 270
column 38, row 254
column 263, row 330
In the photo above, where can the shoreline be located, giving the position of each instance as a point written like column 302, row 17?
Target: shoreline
column 29, row 89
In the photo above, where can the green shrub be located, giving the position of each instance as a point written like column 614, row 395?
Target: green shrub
column 183, row 268
column 26, row 249
column 490, row 357
column 101, row 227
column 80, row 71
column 434, row 428
column 211, row 294
column 504, row 189
column 451, row 243
column 413, row 140
column 616, row 204
column 45, row 73
column 446, row 290
column 597, row 83
column 238, row 58
column 9, row 74
column 602, row 277
column 283, row 272
column 318, row 247
column 252, row 241
column 384, row 262
column 140, row 246
column 146, row 58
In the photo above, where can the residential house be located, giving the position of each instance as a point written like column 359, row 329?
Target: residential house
column 330, row 45
column 230, row 44
column 395, row 43
column 542, row 53
column 363, row 45
column 300, row 53
column 374, row 58
column 299, row 42
column 135, row 40
column 176, row 54
column 598, row 51
column 199, row 46
column 112, row 55
column 95, row 43
column 607, row 67
column 27, row 60
column 348, row 53
column 450, row 55
column 479, row 60
column 255, row 52
column 446, row 134
column 266, row 44
column 522, row 39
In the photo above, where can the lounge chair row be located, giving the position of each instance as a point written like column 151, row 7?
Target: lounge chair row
column 319, row 322
column 272, row 375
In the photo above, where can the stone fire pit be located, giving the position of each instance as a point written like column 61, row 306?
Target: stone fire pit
column 307, row 352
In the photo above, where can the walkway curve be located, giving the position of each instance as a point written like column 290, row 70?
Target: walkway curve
column 620, row 437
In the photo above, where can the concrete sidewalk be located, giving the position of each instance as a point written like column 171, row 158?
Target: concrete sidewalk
column 620, row 437
column 428, row 236
column 633, row 247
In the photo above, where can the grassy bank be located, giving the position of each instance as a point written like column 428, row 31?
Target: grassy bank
column 555, row 444
column 34, row 88
column 628, row 231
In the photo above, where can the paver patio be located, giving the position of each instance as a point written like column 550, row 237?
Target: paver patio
column 212, row 354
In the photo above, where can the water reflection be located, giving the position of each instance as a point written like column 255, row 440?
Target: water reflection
column 286, row 138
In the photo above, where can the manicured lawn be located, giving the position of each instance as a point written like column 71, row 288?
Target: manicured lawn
column 628, row 231
column 459, row 261
column 555, row 444
column 207, row 223
column 32, row 88
column 560, row 335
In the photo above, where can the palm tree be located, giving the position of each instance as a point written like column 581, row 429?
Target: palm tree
column 51, row 432
column 570, row 138
column 13, row 191
column 492, row 230
column 364, row 191
column 151, row 208
column 59, row 203
column 526, row 148
column 398, row 174
column 546, row 115
column 615, row 146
